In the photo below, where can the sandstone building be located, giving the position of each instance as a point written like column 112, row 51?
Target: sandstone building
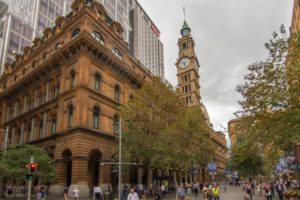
column 64, row 92
column 189, row 87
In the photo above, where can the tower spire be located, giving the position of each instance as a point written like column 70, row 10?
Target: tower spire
column 185, row 30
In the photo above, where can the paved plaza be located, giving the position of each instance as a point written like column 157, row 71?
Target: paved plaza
column 231, row 194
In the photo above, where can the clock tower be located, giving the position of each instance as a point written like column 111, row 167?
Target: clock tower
column 188, row 68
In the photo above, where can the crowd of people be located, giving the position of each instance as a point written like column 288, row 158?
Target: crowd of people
column 268, row 189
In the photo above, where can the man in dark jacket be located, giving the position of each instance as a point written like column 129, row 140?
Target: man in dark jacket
column 280, row 190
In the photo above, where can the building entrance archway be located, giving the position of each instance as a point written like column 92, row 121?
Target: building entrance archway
column 94, row 162
column 67, row 159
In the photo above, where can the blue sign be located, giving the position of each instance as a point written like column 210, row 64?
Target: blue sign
column 212, row 167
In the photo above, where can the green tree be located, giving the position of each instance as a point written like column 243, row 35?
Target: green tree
column 14, row 160
column 161, row 131
column 270, row 113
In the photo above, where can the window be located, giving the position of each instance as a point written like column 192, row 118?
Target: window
column 184, row 45
column 116, row 124
column 70, row 115
column 54, row 124
column 97, row 81
column 97, row 36
column 76, row 32
column 58, row 45
column 117, row 53
column 96, row 117
column 117, row 93
column 72, row 79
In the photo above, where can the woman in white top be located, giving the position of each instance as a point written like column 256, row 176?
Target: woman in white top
column 76, row 193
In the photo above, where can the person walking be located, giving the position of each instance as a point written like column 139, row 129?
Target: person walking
column 132, row 195
column 216, row 192
column 66, row 193
column 97, row 192
column 76, row 193
column 180, row 195
column 163, row 190
column 280, row 190
column 268, row 193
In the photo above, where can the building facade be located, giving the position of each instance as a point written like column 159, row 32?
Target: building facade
column 232, row 129
column 144, row 41
column 64, row 93
column 295, row 25
column 40, row 14
column 189, row 87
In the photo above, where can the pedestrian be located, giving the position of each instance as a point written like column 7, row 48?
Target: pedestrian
column 196, row 189
column 248, row 189
column 42, row 193
column 180, row 195
column 97, row 192
column 189, row 193
column 132, row 195
column 280, row 190
column 205, row 190
column 268, row 193
column 76, row 193
column 66, row 193
column 224, row 186
column 216, row 192
column 163, row 190
column 125, row 192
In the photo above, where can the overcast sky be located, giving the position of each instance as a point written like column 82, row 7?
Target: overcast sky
column 229, row 35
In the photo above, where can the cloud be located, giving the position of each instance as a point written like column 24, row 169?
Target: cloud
column 229, row 35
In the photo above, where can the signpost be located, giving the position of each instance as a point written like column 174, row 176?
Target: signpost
column 212, row 169
column 31, row 172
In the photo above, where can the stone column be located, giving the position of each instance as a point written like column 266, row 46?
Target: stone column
column 35, row 98
column 13, row 136
column 31, row 136
column 175, row 179
column 80, row 175
column 140, row 175
column 22, row 134
column 185, row 178
column 180, row 178
column 25, row 103
column 61, row 178
column 149, row 177
column 44, row 131
column 47, row 91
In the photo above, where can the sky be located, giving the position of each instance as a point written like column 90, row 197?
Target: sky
column 229, row 35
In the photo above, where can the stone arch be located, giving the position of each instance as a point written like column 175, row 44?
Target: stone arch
column 67, row 165
column 94, row 166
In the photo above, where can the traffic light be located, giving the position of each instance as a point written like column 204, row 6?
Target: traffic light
column 32, row 168
column 28, row 176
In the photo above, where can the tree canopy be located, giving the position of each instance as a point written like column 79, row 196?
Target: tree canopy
column 161, row 131
column 14, row 160
column 270, row 114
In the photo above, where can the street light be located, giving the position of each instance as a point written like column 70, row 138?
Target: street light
column 5, row 137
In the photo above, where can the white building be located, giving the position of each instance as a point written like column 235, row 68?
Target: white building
column 145, row 44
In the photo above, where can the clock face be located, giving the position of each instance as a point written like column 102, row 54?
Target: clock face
column 184, row 62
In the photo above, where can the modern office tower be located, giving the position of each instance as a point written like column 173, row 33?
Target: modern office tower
column 145, row 44
column 36, row 15
column 23, row 20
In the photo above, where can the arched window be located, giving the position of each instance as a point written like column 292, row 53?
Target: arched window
column 72, row 79
column 75, row 33
column 97, row 81
column 70, row 115
column 96, row 117
column 116, row 124
column 58, row 45
column 117, row 93
column 98, row 37
column 117, row 53
column 54, row 124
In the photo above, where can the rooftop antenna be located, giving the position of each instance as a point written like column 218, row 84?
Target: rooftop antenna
column 184, row 12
